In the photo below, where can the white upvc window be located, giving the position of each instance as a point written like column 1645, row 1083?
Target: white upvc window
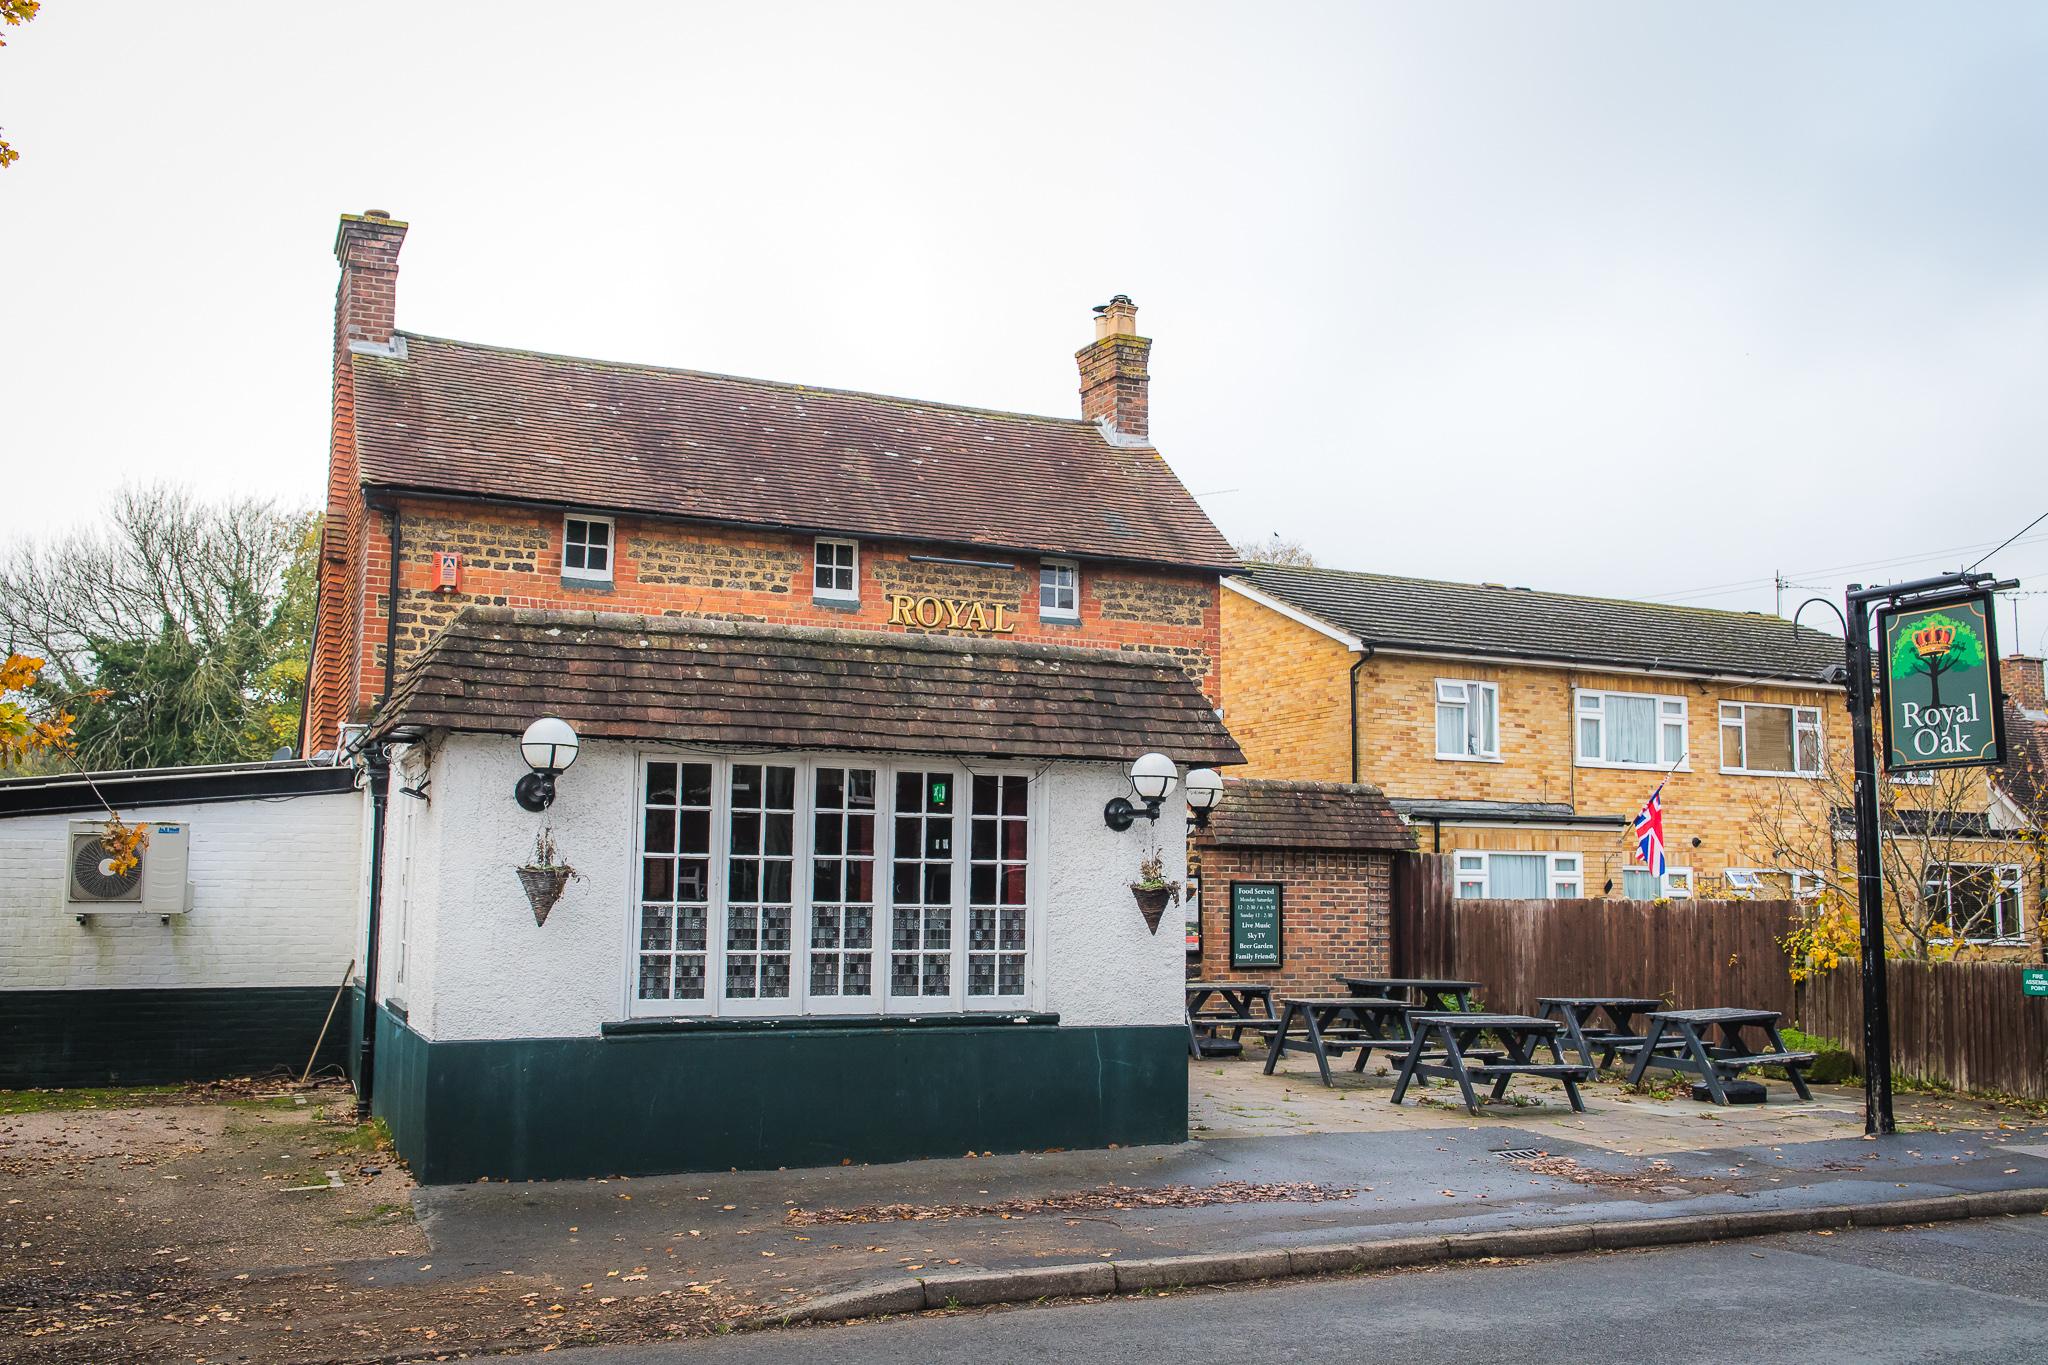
column 1640, row 884
column 1467, row 720
column 789, row 885
column 588, row 548
column 1760, row 739
column 1978, row 902
column 1629, row 729
column 1059, row 590
column 1488, row 875
column 1771, row 883
column 835, row 576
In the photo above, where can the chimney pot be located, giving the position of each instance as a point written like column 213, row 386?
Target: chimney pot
column 367, row 245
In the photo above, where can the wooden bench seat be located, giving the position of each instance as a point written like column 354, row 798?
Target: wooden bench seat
column 1765, row 1059
column 1578, row 1071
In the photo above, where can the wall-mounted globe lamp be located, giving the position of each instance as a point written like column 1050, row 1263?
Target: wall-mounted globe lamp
column 549, row 747
column 1153, row 778
column 1205, row 789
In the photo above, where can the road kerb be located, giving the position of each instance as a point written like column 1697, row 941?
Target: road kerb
column 1028, row 1283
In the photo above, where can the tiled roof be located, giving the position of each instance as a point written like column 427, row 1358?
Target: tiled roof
column 1516, row 623
column 1262, row 813
column 483, row 421
column 699, row 681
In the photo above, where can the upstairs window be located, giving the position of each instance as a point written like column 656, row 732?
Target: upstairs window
column 1630, row 730
column 587, row 548
column 836, row 577
column 1777, row 741
column 1467, row 720
column 1059, row 590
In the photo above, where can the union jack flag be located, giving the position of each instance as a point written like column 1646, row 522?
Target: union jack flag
column 1650, row 832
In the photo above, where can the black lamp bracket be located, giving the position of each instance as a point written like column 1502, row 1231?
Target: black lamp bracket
column 1120, row 813
column 535, row 791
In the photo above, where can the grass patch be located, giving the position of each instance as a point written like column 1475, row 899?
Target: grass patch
column 55, row 1101
column 362, row 1139
column 266, row 1102
column 383, row 1213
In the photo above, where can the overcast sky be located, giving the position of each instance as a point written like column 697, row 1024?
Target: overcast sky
column 1632, row 299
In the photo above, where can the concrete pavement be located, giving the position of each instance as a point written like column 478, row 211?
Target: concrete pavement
column 1959, row 1292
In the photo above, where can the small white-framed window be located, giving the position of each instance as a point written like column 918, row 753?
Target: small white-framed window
column 835, row 576
column 1764, row 740
column 588, row 548
column 1912, row 777
column 1629, row 729
column 1771, row 883
column 1520, row 876
column 1059, row 590
column 1640, row 884
column 1467, row 720
column 1977, row 902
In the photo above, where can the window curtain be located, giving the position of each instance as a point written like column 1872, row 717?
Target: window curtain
column 1450, row 728
column 1631, row 729
column 1519, row 876
column 1641, row 886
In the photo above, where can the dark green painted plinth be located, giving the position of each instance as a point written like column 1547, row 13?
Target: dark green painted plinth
column 162, row 1037
column 782, row 1095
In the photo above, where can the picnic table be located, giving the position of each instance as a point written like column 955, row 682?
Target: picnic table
column 1680, row 1040
column 1334, row 1025
column 1580, row 1015
column 1430, row 993
column 1455, row 1058
column 1205, row 1027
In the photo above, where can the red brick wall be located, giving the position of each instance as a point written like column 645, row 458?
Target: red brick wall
column 513, row 557
column 1336, row 911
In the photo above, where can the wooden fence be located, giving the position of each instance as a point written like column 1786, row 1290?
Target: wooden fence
column 1692, row 953
column 1963, row 1024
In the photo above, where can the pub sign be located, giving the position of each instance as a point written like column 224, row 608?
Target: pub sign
column 1938, row 676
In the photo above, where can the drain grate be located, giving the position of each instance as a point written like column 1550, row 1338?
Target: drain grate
column 1520, row 1154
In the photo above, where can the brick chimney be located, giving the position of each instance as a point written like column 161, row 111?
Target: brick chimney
column 2024, row 684
column 1115, row 379
column 366, row 306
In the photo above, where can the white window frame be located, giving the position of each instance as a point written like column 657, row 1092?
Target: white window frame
column 1589, row 704
column 1564, row 873
column 1676, row 884
column 1804, row 885
column 880, row 1001
column 2008, row 877
column 835, row 593
column 1805, row 720
column 1462, row 693
column 1072, row 568
column 586, row 574
column 1912, row 777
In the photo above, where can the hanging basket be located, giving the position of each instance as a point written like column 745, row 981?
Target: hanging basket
column 1152, row 903
column 544, row 886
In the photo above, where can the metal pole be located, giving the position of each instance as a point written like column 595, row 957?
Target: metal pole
column 377, row 760
column 1877, row 1017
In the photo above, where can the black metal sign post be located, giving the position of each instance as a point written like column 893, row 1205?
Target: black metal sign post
column 1877, row 1020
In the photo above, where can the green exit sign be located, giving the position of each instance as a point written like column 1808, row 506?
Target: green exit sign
column 2034, row 981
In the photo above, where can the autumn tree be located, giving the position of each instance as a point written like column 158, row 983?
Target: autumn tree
column 192, row 620
column 14, row 13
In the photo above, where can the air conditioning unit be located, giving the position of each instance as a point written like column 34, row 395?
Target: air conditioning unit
column 156, row 885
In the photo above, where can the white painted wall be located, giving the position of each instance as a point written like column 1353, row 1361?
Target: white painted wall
column 274, row 902
column 485, row 970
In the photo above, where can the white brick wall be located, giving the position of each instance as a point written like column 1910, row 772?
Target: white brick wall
column 274, row 902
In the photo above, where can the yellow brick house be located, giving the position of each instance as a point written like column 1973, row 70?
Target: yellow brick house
column 1521, row 731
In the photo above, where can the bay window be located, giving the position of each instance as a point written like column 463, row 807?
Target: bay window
column 786, row 885
column 1629, row 730
column 1774, row 741
column 1467, row 719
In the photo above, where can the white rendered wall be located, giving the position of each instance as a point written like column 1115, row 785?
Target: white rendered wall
column 274, row 902
column 490, row 972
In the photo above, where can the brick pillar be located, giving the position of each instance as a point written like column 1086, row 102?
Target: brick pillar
column 365, row 314
column 1115, row 376
column 2024, row 682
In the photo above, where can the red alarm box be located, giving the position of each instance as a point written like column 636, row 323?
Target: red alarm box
column 447, row 571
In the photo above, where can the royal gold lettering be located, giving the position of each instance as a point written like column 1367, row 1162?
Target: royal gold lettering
column 953, row 610
column 1000, row 628
column 932, row 613
column 900, row 607
column 938, row 611
column 977, row 616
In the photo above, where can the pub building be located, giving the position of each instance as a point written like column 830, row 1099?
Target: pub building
column 757, row 772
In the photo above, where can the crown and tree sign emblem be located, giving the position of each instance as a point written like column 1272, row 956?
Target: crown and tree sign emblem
column 1941, row 645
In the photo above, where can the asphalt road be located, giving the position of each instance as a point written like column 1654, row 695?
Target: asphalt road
column 1955, row 1292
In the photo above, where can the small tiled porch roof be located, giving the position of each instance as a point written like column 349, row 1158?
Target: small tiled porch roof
column 696, row 681
column 1264, row 813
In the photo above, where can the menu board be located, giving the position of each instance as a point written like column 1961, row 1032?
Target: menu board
column 1255, row 924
